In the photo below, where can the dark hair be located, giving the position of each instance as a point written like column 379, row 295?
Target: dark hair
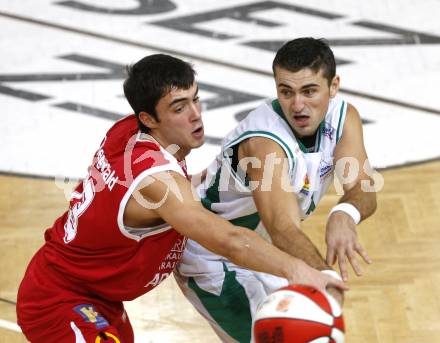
column 306, row 53
column 153, row 77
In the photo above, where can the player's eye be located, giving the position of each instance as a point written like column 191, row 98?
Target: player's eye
column 179, row 109
column 286, row 92
column 310, row 91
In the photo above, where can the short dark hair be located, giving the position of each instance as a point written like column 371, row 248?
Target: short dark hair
column 151, row 78
column 306, row 52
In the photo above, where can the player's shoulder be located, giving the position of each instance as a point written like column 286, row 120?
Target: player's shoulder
column 265, row 113
column 124, row 125
column 353, row 123
column 260, row 146
column 352, row 116
column 120, row 136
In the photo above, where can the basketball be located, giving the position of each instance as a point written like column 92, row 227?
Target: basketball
column 299, row 314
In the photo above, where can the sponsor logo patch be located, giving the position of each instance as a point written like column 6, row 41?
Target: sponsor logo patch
column 325, row 169
column 90, row 315
column 306, row 188
column 328, row 132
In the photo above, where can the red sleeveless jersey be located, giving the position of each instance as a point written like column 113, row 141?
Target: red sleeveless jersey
column 89, row 248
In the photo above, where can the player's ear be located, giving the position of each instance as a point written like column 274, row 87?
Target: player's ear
column 334, row 86
column 148, row 120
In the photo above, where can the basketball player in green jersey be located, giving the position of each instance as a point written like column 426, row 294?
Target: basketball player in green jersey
column 273, row 169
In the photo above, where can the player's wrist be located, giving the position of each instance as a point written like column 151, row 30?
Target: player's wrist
column 349, row 209
column 293, row 268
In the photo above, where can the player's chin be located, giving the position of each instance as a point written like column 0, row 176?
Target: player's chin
column 198, row 143
column 305, row 131
column 197, row 140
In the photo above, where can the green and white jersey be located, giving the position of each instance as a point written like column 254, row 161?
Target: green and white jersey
column 226, row 190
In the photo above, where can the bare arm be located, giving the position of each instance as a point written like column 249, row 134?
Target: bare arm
column 277, row 204
column 351, row 148
column 242, row 246
column 341, row 234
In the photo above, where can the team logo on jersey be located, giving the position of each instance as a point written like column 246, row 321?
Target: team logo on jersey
column 328, row 131
column 90, row 315
column 106, row 337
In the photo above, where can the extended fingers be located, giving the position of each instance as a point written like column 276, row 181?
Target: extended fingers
column 354, row 262
column 350, row 253
column 361, row 251
column 342, row 264
column 331, row 256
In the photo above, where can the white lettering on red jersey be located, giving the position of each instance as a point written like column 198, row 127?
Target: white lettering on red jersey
column 90, row 247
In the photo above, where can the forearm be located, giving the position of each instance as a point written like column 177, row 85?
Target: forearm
column 365, row 202
column 239, row 245
column 253, row 252
column 296, row 243
column 249, row 250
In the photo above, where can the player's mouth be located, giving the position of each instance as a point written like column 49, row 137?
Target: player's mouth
column 198, row 132
column 301, row 120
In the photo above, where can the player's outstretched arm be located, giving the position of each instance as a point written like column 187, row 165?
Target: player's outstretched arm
column 176, row 204
column 276, row 200
column 353, row 171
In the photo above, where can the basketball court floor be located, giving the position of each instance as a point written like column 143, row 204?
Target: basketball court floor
column 61, row 72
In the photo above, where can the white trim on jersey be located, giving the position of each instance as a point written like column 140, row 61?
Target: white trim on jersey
column 153, row 230
column 79, row 338
column 138, row 234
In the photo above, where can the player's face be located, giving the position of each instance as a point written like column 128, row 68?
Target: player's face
column 180, row 120
column 304, row 98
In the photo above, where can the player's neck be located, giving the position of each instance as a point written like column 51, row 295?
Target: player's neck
column 178, row 152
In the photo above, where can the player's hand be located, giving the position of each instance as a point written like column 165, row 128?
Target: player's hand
column 305, row 275
column 342, row 243
column 337, row 294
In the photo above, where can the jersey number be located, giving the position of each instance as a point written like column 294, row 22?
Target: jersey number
column 79, row 202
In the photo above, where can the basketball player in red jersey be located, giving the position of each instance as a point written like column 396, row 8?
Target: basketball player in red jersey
column 127, row 222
